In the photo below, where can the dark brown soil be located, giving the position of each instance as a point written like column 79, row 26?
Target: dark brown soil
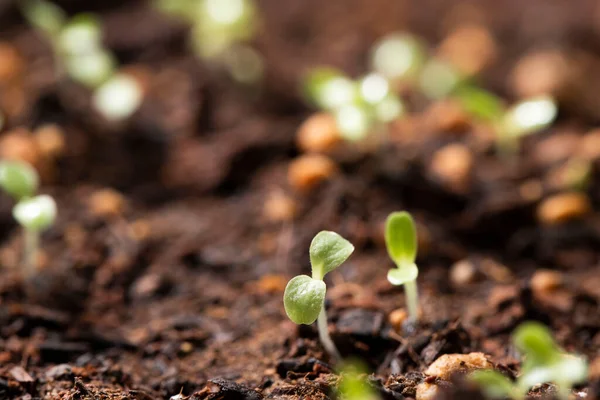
column 180, row 289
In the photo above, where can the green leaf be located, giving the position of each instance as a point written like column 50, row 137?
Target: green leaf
column 401, row 238
column 353, row 122
column 18, row 179
column 329, row 88
column 45, row 16
column 303, row 299
column 439, row 79
column 401, row 275
column 493, row 383
column 480, row 103
column 81, row 35
column 535, row 342
column 37, row 213
column 398, row 56
column 571, row 369
column 353, row 383
column 328, row 250
column 529, row 116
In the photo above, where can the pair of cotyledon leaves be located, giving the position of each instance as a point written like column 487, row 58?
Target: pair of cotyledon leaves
column 544, row 362
column 304, row 295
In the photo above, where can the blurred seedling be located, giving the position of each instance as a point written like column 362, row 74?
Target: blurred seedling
column 34, row 213
column 544, row 362
column 359, row 107
column 353, row 384
column 80, row 53
column 401, row 243
column 221, row 32
column 304, row 296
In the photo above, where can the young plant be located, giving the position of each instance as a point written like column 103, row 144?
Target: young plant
column 353, row 385
column 77, row 43
column 304, row 296
column 34, row 214
column 401, row 243
column 544, row 362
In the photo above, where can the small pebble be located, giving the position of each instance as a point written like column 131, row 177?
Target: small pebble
column 50, row 139
column 397, row 318
column 19, row 144
column 563, row 207
column 539, row 73
column 545, row 281
column 318, row 134
column 11, row 63
column 106, row 203
column 447, row 116
column 589, row 145
column 279, row 207
column 308, row 171
column 469, row 47
column 462, row 273
column 453, row 165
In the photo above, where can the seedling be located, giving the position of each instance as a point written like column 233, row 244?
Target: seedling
column 221, row 32
column 398, row 57
column 544, row 362
column 401, row 243
column 304, row 296
column 358, row 107
column 77, row 43
column 34, row 214
column 353, row 385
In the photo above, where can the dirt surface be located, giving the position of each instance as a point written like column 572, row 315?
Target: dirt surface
column 165, row 271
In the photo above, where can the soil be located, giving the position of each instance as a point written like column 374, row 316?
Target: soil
column 171, row 284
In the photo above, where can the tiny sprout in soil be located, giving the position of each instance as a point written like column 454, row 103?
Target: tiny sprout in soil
column 353, row 384
column 304, row 297
column 401, row 243
column 544, row 362
column 34, row 214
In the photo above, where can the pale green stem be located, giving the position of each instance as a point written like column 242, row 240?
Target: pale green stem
column 31, row 239
column 412, row 299
column 324, row 335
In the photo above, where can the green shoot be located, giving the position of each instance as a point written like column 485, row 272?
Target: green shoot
column 353, row 385
column 480, row 103
column 329, row 88
column 398, row 56
column 77, row 42
column 35, row 215
column 524, row 118
column 18, row 179
column 304, row 296
column 439, row 79
column 401, row 243
column 544, row 362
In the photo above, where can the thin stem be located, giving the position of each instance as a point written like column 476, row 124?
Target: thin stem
column 324, row 335
column 31, row 239
column 412, row 299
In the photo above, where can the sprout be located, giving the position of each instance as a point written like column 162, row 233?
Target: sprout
column 544, row 362
column 304, row 297
column 353, row 122
column 118, row 98
column 401, row 243
column 374, row 88
column 524, row 118
column 81, row 35
column 480, row 103
column 398, row 56
column 389, row 109
column 329, row 88
column 91, row 69
column 18, row 179
column 35, row 215
column 439, row 79
column 353, row 385
column 45, row 16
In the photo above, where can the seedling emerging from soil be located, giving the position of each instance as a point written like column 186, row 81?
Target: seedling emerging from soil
column 304, row 297
column 401, row 243
column 544, row 362
column 398, row 56
column 34, row 214
column 357, row 106
column 524, row 118
column 77, row 43
column 353, row 384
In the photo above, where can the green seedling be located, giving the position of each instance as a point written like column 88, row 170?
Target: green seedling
column 77, row 43
column 398, row 57
column 304, row 296
column 544, row 362
column 34, row 214
column 439, row 79
column 401, row 243
column 525, row 118
column 481, row 104
column 353, row 384
column 221, row 32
